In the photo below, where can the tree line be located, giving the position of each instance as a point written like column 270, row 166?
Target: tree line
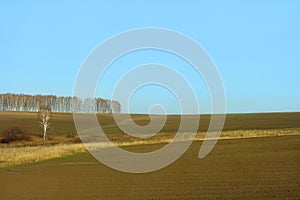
column 32, row 103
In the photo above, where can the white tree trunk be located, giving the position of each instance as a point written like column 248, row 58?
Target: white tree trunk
column 45, row 131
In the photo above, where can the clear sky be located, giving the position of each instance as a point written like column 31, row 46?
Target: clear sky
column 254, row 44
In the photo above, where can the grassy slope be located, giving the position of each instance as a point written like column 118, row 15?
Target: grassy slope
column 63, row 122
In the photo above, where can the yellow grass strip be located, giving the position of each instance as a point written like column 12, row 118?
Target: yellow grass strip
column 235, row 134
column 19, row 155
column 167, row 138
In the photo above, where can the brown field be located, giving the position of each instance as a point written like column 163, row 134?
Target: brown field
column 63, row 124
column 62, row 138
column 38, row 149
column 258, row 167
column 254, row 168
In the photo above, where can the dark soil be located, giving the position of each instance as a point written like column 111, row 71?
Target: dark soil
column 257, row 168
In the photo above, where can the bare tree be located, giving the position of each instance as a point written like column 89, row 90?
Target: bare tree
column 45, row 117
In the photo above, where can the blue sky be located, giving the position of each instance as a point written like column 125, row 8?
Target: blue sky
column 254, row 44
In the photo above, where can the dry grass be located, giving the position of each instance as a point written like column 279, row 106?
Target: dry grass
column 17, row 154
column 169, row 137
column 259, row 133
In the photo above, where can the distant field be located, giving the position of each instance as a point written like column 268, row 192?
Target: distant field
column 63, row 122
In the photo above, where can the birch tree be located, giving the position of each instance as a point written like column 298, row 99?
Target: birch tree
column 31, row 103
column 45, row 117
